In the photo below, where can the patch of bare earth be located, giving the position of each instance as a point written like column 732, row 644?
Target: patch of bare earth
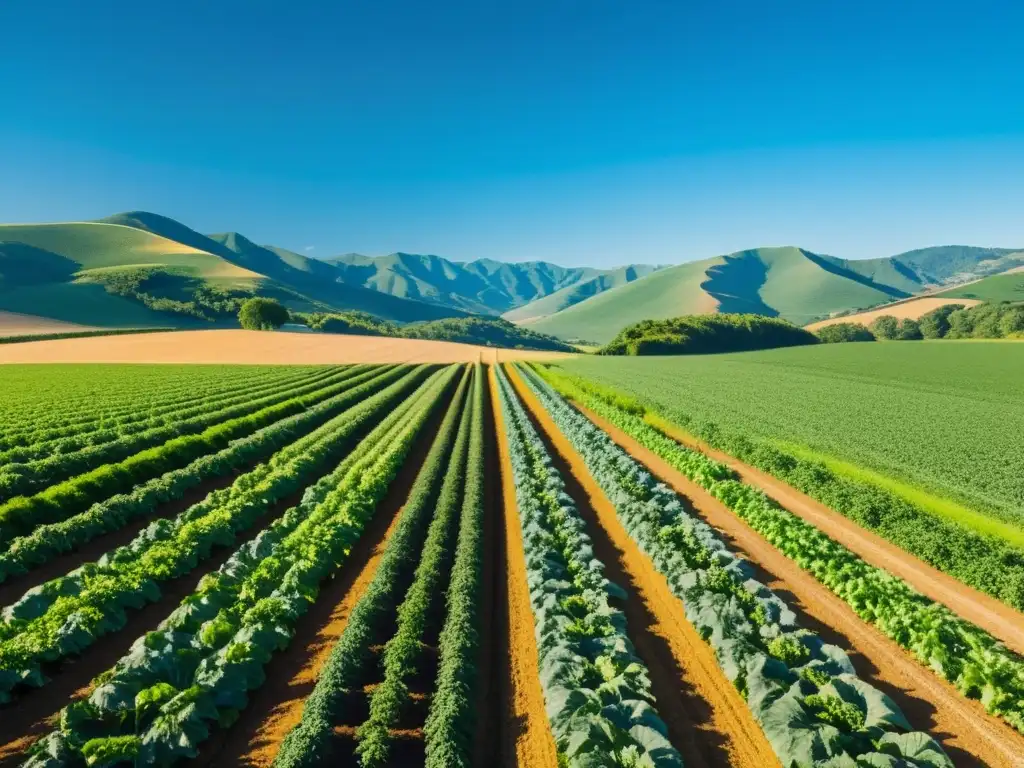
column 526, row 738
column 969, row 735
column 908, row 308
column 256, row 347
column 707, row 719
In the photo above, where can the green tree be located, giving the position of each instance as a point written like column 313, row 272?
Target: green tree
column 886, row 327
column 1012, row 322
column 909, row 330
column 935, row 324
column 259, row 314
column 843, row 332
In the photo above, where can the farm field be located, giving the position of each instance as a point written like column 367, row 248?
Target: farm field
column 16, row 324
column 440, row 564
column 940, row 416
column 254, row 347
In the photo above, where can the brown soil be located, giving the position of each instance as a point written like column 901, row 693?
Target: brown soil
column 995, row 617
column 255, row 347
column 912, row 308
column 526, row 738
column 30, row 715
column 707, row 719
column 969, row 735
column 276, row 707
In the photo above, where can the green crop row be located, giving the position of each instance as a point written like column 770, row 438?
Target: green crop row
column 20, row 479
column 403, row 653
column 310, row 742
column 158, row 703
column 452, row 719
column 197, row 405
column 597, row 692
column 963, row 654
column 48, row 540
column 68, row 614
column 806, row 695
column 59, row 400
column 22, row 514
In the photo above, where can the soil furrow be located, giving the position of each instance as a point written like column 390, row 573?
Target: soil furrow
column 526, row 738
column 276, row 706
column 969, row 735
column 707, row 719
column 995, row 617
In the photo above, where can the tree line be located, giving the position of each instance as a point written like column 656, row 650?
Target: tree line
column 994, row 320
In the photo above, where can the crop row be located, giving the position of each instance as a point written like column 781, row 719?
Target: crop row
column 597, row 691
column 68, row 614
column 59, row 502
column 805, row 693
column 195, row 670
column 310, row 742
column 43, row 445
column 20, row 479
column 957, row 651
column 48, row 540
column 111, row 395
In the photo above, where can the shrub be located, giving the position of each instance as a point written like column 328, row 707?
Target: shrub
column 886, row 327
column 909, row 330
column 843, row 332
column 259, row 314
column 698, row 334
column 935, row 324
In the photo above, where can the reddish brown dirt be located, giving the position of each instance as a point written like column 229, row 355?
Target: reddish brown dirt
column 995, row 617
column 255, row 347
column 970, row 736
column 276, row 707
column 526, row 738
column 707, row 719
column 30, row 715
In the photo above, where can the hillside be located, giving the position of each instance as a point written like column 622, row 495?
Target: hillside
column 577, row 292
column 779, row 282
column 1008, row 286
column 483, row 286
column 142, row 269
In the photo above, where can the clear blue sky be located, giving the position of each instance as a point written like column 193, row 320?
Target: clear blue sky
column 578, row 131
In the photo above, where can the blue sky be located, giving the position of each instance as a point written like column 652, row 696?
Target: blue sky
column 579, row 131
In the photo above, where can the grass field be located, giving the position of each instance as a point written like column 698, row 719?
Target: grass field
column 1005, row 287
column 942, row 416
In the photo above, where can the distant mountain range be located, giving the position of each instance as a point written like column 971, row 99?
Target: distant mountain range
column 141, row 268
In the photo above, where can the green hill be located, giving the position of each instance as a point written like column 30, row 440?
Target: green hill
column 143, row 269
column 483, row 286
column 1005, row 287
column 577, row 292
column 785, row 282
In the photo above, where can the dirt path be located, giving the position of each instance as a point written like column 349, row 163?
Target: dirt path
column 707, row 719
column 995, row 617
column 967, row 732
column 275, row 707
column 526, row 738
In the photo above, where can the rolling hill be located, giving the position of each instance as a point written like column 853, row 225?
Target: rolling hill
column 142, row 269
column 787, row 282
column 577, row 292
column 1008, row 286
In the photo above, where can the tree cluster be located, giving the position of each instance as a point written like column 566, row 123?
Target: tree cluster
column 703, row 334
